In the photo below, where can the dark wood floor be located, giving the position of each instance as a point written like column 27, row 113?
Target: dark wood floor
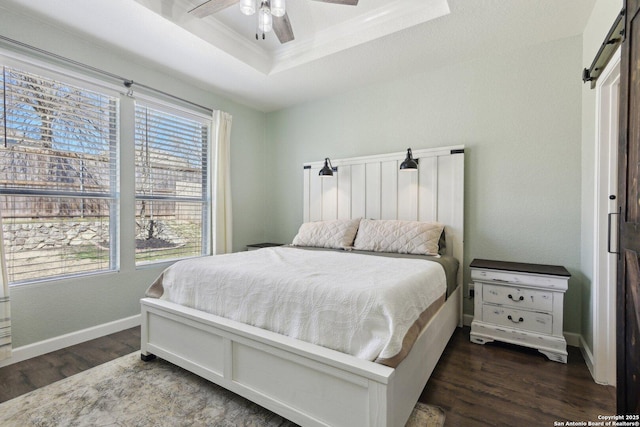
column 506, row 385
column 490, row 385
column 26, row 376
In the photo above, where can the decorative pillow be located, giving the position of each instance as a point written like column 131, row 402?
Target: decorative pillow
column 337, row 234
column 404, row 237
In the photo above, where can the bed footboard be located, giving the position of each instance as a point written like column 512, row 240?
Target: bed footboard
column 305, row 383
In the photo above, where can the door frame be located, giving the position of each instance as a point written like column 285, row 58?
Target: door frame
column 603, row 288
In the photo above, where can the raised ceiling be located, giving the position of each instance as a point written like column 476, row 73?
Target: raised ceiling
column 320, row 29
column 337, row 47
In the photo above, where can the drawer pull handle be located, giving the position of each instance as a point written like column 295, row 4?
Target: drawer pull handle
column 520, row 320
column 516, row 300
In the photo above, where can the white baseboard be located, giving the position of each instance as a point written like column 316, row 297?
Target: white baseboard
column 587, row 355
column 573, row 339
column 52, row 344
column 467, row 319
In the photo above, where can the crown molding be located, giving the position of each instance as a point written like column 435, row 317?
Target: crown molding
column 213, row 32
column 380, row 22
column 394, row 16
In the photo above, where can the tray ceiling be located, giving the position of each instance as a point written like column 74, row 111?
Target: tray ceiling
column 320, row 29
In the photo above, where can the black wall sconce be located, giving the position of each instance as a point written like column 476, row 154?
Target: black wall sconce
column 409, row 163
column 328, row 169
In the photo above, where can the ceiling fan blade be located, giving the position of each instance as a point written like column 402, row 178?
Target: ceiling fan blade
column 210, row 7
column 347, row 2
column 282, row 28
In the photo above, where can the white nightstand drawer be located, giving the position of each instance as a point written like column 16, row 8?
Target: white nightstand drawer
column 520, row 319
column 518, row 297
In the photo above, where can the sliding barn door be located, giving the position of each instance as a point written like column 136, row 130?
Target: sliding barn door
column 628, row 304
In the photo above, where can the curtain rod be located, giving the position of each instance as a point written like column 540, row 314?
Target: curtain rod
column 128, row 83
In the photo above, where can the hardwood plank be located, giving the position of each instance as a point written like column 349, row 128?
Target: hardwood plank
column 329, row 193
column 358, row 184
column 428, row 189
column 306, row 194
column 408, row 195
column 315, row 195
column 344, row 192
column 26, row 376
column 372, row 190
column 389, row 190
column 504, row 385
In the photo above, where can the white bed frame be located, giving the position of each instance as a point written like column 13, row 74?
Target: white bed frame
column 305, row 383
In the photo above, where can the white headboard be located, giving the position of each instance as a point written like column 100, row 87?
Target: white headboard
column 374, row 187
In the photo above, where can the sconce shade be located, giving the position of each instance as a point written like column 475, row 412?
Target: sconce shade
column 326, row 169
column 409, row 162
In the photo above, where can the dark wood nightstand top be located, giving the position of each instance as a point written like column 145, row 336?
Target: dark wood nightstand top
column 554, row 270
column 264, row 245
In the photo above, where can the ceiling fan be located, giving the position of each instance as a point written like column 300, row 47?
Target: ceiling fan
column 271, row 14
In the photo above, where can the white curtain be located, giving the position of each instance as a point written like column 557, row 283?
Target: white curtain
column 5, row 312
column 221, row 183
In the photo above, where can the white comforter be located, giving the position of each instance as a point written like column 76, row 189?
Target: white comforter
column 358, row 304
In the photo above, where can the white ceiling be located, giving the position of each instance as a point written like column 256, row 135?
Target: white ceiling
column 337, row 47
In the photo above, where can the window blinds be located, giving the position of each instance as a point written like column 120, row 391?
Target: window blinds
column 171, row 184
column 58, row 180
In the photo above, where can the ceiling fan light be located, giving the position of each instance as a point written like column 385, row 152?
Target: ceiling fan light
column 278, row 8
column 265, row 21
column 248, row 7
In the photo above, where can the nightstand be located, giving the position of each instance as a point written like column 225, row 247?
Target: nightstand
column 520, row 304
column 257, row 246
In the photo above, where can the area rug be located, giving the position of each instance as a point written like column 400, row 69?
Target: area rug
column 128, row 392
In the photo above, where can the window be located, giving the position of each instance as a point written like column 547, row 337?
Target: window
column 171, row 184
column 60, row 172
column 58, row 181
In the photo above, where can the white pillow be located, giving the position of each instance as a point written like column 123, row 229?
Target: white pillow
column 404, row 237
column 337, row 234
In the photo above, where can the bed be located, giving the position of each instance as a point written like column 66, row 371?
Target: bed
column 312, row 384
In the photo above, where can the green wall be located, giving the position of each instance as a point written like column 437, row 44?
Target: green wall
column 524, row 116
column 518, row 115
